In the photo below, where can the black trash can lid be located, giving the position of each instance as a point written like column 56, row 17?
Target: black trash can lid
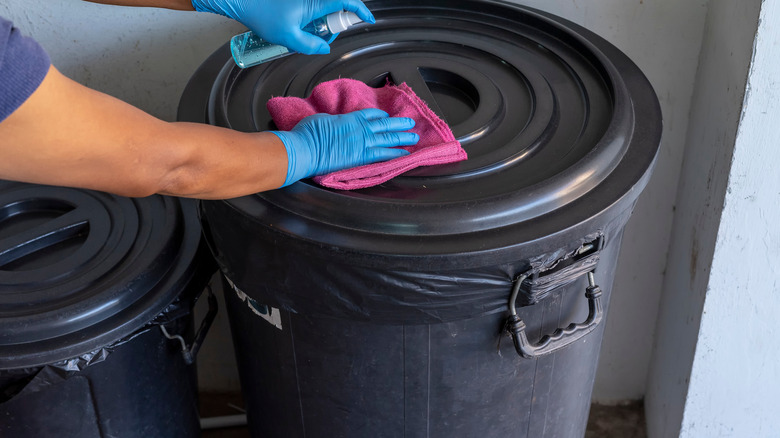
column 557, row 123
column 80, row 270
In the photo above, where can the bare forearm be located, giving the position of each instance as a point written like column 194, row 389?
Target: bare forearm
column 67, row 134
column 218, row 163
column 182, row 5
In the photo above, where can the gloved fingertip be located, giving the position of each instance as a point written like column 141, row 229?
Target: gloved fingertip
column 408, row 139
column 307, row 44
column 321, row 49
column 373, row 113
column 398, row 153
column 403, row 124
column 359, row 8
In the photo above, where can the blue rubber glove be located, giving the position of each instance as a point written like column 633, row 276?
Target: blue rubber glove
column 280, row 21
column 325, row 143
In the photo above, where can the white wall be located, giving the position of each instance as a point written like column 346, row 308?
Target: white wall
column 717, row 360
column 735, row 379
column 663, row 37
column 145, row 57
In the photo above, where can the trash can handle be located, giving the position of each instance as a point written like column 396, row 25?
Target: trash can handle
column 191, row 352
column 561, row 337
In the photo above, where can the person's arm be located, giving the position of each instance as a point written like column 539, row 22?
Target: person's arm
column 181, row 5
column 67, row 134
column 281, row 21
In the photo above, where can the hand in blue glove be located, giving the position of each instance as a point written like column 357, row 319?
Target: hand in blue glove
column 324, row 143
column 280, row 21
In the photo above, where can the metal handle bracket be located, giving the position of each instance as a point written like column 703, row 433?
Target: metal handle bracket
column 191, row 352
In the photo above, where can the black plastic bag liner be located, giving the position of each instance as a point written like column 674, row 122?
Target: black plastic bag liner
column 69, row 414
column 458, row 300
column 90, row 284
column 401, row 296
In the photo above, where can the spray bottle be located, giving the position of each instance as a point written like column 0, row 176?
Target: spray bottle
column 249, row 49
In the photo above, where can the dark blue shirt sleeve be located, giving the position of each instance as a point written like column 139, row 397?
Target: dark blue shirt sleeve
column 23, row 65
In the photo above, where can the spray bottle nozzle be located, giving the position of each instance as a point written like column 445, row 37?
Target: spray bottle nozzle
column 342, row 20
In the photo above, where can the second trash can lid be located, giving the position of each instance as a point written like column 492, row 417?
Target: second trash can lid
column 558, row 125
column 81, row 269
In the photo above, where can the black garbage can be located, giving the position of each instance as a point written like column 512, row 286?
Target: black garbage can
column 92, row 286
column 461, row 300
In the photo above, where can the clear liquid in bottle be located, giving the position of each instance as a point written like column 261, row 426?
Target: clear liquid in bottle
column 248, row 49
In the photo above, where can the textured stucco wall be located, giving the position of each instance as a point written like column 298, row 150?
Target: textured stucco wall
column 663, row 37
column 715, row 367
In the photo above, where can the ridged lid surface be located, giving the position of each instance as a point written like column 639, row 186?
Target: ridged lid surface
column 82, row 269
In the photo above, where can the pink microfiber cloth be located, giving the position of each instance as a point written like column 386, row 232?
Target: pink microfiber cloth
column 437, row 145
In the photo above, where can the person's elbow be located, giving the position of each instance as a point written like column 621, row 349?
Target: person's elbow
column 184, row 181
column 145, row 183
column 170, row 173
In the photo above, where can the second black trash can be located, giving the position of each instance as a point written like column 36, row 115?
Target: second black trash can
column 96, row 297
column 463, row 300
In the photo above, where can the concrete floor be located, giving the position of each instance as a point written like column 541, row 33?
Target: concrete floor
column 213, row 405
column 625, row 421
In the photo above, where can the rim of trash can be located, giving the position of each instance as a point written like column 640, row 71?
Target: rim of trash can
column 422, row 211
